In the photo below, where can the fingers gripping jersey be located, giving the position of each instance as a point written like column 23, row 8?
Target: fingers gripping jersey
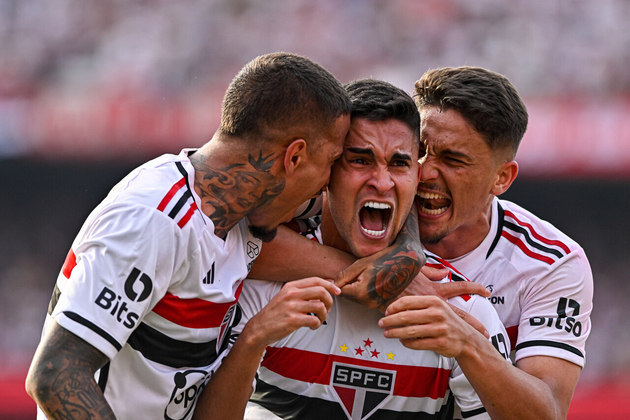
column 149, row 285
column 348, row 369
column 541, row 283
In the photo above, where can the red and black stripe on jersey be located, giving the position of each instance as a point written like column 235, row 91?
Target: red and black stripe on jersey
column 527, row 239
column 185, row 197
column 453, row 274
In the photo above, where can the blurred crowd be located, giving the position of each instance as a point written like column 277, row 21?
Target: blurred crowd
column 168, row 51
column 175, row 47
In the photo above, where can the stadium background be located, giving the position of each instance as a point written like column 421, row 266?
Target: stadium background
column 90, row 89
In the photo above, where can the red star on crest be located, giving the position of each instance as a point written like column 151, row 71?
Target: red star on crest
column 375, row 353
column 367, row 343
column 359, row 351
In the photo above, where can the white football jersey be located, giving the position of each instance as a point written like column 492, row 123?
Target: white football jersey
column 348, row 369
column 541, row 283
column 148, row 284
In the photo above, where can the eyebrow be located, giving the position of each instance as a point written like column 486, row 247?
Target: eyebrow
column 361, row 150
column 402, row 156
column 370, row 152
column 454, row 153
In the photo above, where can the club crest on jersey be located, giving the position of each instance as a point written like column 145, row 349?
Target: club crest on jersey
column 227, row 318
column 361, row 390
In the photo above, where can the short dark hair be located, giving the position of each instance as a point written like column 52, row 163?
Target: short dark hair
column 377, row 100
column 487, row 100
column 280, row 90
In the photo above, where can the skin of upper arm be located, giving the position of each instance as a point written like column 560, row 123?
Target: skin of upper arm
column 61, row 375
column 291, row 256
column 560, row 375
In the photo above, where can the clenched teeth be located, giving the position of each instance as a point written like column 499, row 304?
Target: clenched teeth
column 429, row 196
column 433, row 212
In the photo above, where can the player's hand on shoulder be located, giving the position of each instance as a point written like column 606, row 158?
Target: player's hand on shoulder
column 427, row 283
column 300, row 303
column 427, row 323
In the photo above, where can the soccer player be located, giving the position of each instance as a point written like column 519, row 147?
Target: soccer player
column 143, row 304
column 472, row 123
column 346, row 368
column 473, row 120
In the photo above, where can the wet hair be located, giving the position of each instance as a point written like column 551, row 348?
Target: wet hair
column 377, row 100
column 281, row 90
column 485, row 99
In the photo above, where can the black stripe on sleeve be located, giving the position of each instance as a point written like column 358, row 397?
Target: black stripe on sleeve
column 98, row 330
column 472, row 413
column 547, row 343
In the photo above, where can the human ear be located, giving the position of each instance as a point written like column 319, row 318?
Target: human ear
column 506, row 174
column 294, row 155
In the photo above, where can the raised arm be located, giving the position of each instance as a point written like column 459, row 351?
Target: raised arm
column 61, row 377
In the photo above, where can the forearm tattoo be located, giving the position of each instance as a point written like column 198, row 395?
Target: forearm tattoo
column 237, row 189
column 67, row 365
column 393, row 272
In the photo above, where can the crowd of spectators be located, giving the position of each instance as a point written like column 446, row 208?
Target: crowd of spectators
column 174, row 47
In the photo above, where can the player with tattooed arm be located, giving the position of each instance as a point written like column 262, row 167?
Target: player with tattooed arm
column 473, row 120
column 346, row 368
column 139, row 316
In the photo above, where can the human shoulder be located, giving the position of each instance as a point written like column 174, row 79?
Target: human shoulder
column 529, row 241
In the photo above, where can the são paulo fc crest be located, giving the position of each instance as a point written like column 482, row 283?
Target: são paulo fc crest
column 361, row 390
column 225, row 327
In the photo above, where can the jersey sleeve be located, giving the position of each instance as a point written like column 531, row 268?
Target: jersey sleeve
column 465, row 396
column 555, row 317
column 119, row 267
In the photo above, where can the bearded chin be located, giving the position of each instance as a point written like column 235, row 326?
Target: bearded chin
column 265, row 235
column 432, row 239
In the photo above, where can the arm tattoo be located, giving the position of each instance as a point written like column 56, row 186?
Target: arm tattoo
column 66, row 366
column 237, row 189
column 393, row 272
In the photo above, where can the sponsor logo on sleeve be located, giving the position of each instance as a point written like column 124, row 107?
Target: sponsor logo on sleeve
column 137, row 288
column 567, row 310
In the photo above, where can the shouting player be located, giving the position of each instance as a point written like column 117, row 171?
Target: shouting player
column 346, row 368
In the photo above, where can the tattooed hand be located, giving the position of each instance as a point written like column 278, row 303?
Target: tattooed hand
column 377, row 280
column 230, row 193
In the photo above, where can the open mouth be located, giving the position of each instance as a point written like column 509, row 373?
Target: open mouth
column 432, row 204
column 374, row 218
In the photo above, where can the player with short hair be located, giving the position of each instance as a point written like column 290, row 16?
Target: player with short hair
column 473, row 120
column 138, row 320
column 542, row 286
column 346, row 368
